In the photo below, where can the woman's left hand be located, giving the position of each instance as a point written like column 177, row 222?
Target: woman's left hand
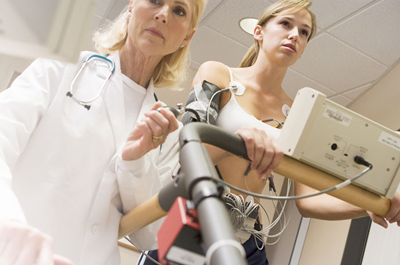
column 393, row 215
column 150, row 132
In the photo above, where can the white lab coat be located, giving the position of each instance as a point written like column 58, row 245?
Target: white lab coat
column 62, row 161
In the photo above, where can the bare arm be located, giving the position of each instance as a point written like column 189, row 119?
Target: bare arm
column 327, row 207
column 324, row 206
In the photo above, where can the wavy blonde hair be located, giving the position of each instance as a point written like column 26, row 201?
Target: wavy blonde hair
column 171, row 70
column 291, row 6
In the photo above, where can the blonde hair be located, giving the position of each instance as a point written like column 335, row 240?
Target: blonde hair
column 272, row 11
column 171, row 70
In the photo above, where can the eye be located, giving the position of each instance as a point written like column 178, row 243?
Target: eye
column 304, row 32
column 155, row 1
column 180, row 11
column 285, row 23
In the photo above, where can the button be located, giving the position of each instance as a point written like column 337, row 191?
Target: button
column 95, row 229
column 334, row 147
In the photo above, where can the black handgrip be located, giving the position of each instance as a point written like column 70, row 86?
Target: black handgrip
column 213, row 135
column 173, row 110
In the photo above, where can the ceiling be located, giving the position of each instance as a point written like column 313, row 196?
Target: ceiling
column 356, row 45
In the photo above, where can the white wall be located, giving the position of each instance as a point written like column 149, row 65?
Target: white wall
column 128, row 256
column 325, row 240
column 381, row 104
column 10, row 68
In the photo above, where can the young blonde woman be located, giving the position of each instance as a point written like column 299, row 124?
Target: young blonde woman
column 281, row 37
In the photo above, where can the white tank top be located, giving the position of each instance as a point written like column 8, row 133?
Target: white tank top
column 232, row 117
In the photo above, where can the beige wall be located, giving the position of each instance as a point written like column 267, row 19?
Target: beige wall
column 382, row 102
column 128, row 256
column 326, row 240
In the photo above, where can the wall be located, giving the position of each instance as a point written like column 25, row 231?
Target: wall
column 325, row 240
column 381, row 104
column 128, row 256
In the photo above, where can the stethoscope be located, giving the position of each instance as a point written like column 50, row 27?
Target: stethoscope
column 111, row 67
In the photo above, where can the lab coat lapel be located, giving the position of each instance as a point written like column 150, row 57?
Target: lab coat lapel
column 148, row 101
column 113, row 97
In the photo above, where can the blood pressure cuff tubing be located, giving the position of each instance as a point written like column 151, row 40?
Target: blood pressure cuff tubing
column 199, row 101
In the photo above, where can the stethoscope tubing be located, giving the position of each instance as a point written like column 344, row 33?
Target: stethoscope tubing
column 86, row 103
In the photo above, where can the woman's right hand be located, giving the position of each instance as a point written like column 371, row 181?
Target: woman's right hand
column 150, row 132
column 21, row 244
column 262, row 149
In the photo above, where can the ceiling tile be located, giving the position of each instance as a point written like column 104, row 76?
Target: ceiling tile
column 209, row 45
column 339, row 99
column 102, row 7
column 329, row 12
column 225, row 18
column 294, row 81
column 374, row 31
column 356, row 92
column 96, row 22
column 337, row 66
column 117, row 8
column 172, row 97
column 211, row 4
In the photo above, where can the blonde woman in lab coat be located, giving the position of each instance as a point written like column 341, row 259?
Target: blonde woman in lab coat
column 68, row 174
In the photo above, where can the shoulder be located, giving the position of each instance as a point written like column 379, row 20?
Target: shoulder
column 214, row 72
column 55, row 64
column 213, row 68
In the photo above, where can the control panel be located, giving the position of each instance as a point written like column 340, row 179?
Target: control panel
column 327, row 136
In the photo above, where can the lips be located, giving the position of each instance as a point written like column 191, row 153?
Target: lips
column 290, row 46
column 155, row 32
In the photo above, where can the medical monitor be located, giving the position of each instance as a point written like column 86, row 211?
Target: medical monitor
column 55, row 29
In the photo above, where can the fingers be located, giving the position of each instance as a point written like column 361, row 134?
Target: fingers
column 21, row 244
column 45, row 256
column 160, row 122
column 37, row 247
column 378, row 219
column 393, row 215
column 262, row 149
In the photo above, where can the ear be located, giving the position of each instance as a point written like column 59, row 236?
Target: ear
column 258, row 33
column 188, row 37
column 130, row 7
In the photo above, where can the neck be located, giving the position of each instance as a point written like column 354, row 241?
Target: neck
column 268, row 77
column 137, row 66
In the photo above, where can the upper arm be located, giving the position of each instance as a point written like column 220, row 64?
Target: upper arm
column 21, row 107
column 213, row 72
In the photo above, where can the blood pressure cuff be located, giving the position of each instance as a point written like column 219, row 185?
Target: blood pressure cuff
column 199, row 101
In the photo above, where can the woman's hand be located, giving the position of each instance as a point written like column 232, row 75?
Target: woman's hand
column 21, row 244
column 393, row 215
column 262, row 149
column 150, row 132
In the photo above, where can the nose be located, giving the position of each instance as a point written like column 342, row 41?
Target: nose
column 162, row 15
column 294, row 34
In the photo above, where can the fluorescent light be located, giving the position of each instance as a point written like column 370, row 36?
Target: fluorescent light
column 248, row 24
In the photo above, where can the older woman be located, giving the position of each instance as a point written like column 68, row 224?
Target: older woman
column 71, row 166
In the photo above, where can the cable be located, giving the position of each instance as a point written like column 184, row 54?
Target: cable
column 212, row 97
column 194, row 112
column 143, row 252
column 279, row 125
column 261, row 235
column 264, row 233
column 341, row 185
